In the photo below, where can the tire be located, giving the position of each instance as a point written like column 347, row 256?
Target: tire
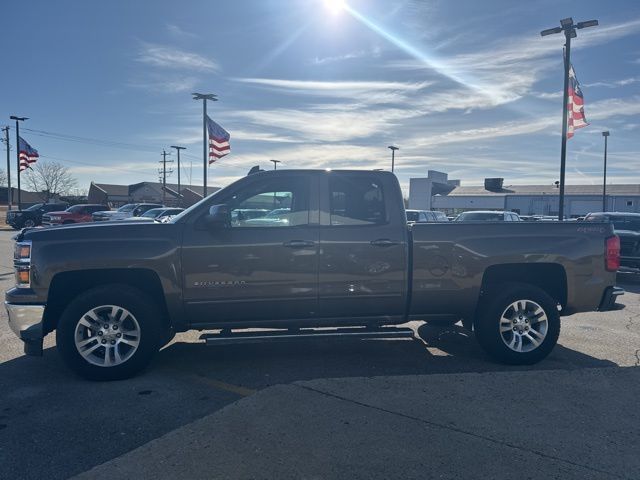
column 507, row 321
column 124, row 348
column 29, row 223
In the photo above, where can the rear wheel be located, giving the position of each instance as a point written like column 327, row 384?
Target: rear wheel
column 109, row 332
column 519, row 325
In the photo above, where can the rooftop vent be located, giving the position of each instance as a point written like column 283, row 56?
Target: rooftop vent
column 493, row 184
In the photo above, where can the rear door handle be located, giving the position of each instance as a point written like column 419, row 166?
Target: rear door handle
column 299, row 244
column 384, row 242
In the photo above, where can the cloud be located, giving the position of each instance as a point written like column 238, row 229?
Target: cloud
column 547, row 95
column 171, row 57
column 176, row 31
column 374, row 52
column 614, row 84
column 164, row 83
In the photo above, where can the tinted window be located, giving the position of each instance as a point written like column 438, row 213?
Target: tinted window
column 76, row 209
column 625, row 223
column 127, row 208
column 280, row 202
column 480, row 216
column 424, row 217
column 413, row 216
column 355, row 200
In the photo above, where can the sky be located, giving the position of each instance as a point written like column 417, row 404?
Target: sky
column 465, row 87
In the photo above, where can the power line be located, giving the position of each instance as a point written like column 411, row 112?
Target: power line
column 91, row 141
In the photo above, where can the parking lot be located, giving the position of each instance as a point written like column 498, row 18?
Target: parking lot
column 429, row 407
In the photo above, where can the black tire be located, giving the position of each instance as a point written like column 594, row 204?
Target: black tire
column 29, row 223
column 142, row 309
column 498, row 301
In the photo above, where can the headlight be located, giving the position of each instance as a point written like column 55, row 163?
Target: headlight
column 22, row 263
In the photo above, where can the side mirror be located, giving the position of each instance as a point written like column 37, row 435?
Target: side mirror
column 218, row 216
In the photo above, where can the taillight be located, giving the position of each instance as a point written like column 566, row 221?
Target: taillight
column 612, row 254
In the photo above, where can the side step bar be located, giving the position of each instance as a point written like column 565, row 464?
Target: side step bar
column 232, row 338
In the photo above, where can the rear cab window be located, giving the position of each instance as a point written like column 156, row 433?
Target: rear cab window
column 356, row 200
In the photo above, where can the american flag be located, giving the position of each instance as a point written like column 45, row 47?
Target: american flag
column 575, row 105
column 218, row 141
column 27, row 154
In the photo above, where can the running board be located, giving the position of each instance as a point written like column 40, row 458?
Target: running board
column 231, row 338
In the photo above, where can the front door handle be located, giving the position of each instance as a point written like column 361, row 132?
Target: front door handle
column 299, row 244
column 384, row 242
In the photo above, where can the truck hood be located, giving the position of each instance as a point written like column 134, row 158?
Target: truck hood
column 75, row 231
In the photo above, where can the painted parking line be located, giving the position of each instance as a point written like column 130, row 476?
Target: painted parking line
column 211, row 382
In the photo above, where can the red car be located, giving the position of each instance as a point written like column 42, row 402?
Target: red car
column 73, row 214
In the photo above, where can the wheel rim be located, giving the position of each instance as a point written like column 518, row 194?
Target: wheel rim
column 107, row 335
column 523, row 326
column 29, row 223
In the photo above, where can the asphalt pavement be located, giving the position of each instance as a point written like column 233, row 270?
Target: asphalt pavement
column 432, row 407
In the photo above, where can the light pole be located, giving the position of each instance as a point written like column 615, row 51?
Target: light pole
column 6, row 136
column 393, row 155
column 569, row 28
column 604, row 183
column 205, row 148
column 178, row 150
column 275, row 164
column 18, row 120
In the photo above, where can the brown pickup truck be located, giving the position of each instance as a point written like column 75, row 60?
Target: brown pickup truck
column 332, row 249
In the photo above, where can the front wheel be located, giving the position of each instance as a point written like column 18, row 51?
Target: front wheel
column 29, row 223
column 520, row 325
column 109, row 333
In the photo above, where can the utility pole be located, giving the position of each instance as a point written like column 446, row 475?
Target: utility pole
column 569, row 28
column 164, row 172
column 6, row 139
column 18, row 120
column 205, row 144
column 275, row 164
column 393, row 155
column 604, row 183
column 179, row 189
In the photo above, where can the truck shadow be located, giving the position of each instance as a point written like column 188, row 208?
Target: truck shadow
column 43, row 403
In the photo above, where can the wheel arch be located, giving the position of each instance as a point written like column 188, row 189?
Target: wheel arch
column 65, row 286
column 550, row 277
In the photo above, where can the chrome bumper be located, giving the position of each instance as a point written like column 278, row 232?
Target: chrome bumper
column 25, row 320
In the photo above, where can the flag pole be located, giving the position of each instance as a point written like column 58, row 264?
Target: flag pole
column 18, row 120
column 205, row 150
column 6, row 134
column 563, row 149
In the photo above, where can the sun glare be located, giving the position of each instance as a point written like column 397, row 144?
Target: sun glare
column 335, row 6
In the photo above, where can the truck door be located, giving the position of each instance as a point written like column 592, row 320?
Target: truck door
column 363, row 246
column 264, row 266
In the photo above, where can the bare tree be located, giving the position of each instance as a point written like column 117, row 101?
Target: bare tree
column 3, row 178
column 49, row 179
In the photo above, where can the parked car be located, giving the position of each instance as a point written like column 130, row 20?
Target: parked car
column 126, row 211
column 73, row 214
column 488, row 216
column 627, row 227
column 115, row 294
column 32, row 216
column 156, row 214
column 425, row 216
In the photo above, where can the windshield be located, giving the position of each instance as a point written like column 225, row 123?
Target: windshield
column 153, row 213
column 480, row 217
column 35, row 207
column 75, row 209
column 127, row 208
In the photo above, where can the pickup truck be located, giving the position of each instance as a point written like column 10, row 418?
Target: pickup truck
column 339, row 259
column 32, row 216
column 74, row 214
column 627, row 227
column 126, row 211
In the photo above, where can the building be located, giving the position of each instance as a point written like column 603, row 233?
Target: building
column 523, row 199
column 422, row 190
column 146, row 192
column 27, row 198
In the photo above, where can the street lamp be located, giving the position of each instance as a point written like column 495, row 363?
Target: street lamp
column 178, row 150
column 205, row 148
column 569, row 28
column 275, row 164
column 393, row 155
column 18, row 120
column 604, row 183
